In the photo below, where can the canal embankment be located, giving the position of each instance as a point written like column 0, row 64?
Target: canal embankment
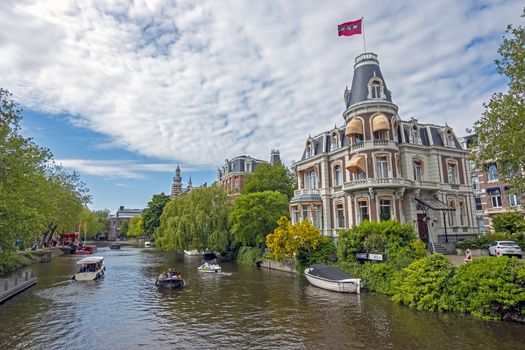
column 9, row 287
column 26, row 258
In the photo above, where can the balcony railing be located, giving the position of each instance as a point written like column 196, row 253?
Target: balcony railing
column 373, row 144
column 306, row 191
column 379, row 182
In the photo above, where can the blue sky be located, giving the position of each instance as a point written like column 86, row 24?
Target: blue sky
column 123, row 91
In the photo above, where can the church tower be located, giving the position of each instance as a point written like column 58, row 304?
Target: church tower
column 176, row 188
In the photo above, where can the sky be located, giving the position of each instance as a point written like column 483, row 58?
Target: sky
column 124, row 91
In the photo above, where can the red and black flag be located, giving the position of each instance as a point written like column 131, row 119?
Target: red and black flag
column 350, row 28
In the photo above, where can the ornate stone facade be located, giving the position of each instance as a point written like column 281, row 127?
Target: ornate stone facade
column 379, row 167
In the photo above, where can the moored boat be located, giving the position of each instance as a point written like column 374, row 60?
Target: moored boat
column 90, row 268
column 207, row 255
column 210, row 267
column 148, row 244
column 86, row 249
column 170, row 280
column 114, row 246
column 332, row 278
column 193, row 252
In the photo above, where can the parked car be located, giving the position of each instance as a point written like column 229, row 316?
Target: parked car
column 509, row 248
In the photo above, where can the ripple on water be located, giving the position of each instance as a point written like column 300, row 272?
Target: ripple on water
column 245, row 308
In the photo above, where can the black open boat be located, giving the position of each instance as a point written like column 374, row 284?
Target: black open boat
column 207, row 255
column 170, row 281
column 114, row 246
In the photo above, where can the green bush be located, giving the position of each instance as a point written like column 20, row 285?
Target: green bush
column 249, row 255
column 489, row 288
column 375, row 243
column 9, row 261
column 323, row 253
column 371, row 237
column 424, row 283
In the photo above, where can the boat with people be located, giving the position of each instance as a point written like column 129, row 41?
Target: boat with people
column 90, row 268
column 170, row 279
column 332, row 278
column 211, row 266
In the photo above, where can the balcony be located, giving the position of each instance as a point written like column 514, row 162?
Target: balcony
column 373, row 144
column 376, row 182
column 306, row 191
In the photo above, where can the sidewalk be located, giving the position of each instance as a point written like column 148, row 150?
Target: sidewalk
column 457, row 260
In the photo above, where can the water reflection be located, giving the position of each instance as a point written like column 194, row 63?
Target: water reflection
column 243, row 308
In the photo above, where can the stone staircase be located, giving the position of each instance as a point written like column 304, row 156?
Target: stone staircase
column 443, row 248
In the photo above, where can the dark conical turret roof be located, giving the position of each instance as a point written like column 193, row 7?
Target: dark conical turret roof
column 366, row 67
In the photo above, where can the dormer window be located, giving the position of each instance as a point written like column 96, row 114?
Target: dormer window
column 415, row 135
column 375, row 88
column 449, row 137
column 334, row 141
column 310, row 149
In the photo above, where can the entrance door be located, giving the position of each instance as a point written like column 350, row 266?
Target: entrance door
column 422, row 227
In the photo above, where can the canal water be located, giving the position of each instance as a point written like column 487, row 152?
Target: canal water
column 244, row 308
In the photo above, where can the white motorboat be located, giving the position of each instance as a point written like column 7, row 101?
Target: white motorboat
column 210, row 267
column 148, row 244
column 90, row 268
column 332, row 278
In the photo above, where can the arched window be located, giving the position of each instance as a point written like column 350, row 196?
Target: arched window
column 449, row 136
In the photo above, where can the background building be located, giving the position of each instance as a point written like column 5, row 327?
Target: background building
column 491, row 192
column 115, row 220
column 176, row 187
column 379, row 167
column 232, row 175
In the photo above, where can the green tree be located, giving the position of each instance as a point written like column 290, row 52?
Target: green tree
column 267, row 177
column 97, row 222
column 500, row 132
column 288, row 240
column 135, row 226
column 151, row 215
column 197, row 220
column 37, row 198
column 124, row 228
column 508, row 223
column 254, row 215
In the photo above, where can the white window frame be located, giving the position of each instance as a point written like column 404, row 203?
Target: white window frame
column 514, row 200
column 382, row 167
column 338, row 178
column 312, row 179
column 382, row 204
column 452, row 170
column 495, row 199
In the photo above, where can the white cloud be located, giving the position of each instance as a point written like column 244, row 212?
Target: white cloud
column 198, row 82
column 118, row 168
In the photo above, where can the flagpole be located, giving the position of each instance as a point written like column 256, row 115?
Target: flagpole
column 364, row 40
